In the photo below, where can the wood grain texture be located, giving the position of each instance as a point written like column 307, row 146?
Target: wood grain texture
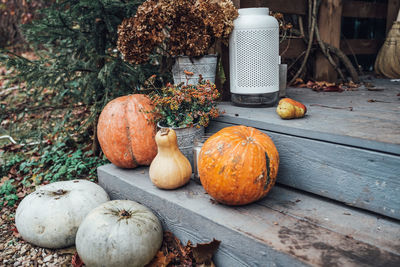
column 354, row 9
column 189, row 214
column 294, row 47
column 360, row 46
column 363, row 9
column 225, row 92
column 329, row 23
column 359, row 9
column 392, row 11
column 370, row 125
column 287, row 7
column 357, row 177
column 272, row 232
column 236, row 3
column 335, row 217
column 351, row 156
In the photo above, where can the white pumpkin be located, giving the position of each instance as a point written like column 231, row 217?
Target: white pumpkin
column 119, row 233
column 50, row 216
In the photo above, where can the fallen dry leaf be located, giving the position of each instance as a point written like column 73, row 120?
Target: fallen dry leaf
column 21, row 194
column 351, row 84
column 161, row 260
column 15, row 232
column 368, row 84
column 3, row 180
column 30, row 55
column 172, row 245
column 323, row 86
column 204, row 252
column 76, row 260
column 298, row 81
column 12, row 148
column 304, row 85
column 173, row 253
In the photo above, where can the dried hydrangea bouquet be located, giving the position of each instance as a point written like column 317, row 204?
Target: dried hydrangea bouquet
column 172, row 28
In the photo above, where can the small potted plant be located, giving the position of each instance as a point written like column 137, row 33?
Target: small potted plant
column 186, row 30
column 187, row 109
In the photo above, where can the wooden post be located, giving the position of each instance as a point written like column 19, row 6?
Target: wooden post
column 226, row 88
column 392, row 10
column 329, row 20
column 225, row 91
column 287, row 6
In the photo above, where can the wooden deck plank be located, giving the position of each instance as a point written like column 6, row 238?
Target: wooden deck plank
column 357, row 177
column 352, row 156
column 335, row 217
column 277, row 231
column 189, row 214
column 370, row 125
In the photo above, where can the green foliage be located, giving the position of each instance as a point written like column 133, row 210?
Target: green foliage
column 60, row 162
column 9, row 163
column 7, row 189
column 51, row 163
column 7, row 193
column 77, row 61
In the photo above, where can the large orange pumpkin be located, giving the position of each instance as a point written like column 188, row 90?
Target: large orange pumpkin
column 238, row 165
column 125, row 132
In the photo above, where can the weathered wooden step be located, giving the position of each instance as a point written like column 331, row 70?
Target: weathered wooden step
column 287, row 228
column 352, row 156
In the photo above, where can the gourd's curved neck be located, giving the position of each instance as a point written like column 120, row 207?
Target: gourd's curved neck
column 166, row 150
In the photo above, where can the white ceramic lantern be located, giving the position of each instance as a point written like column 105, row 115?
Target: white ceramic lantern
column 254, row 58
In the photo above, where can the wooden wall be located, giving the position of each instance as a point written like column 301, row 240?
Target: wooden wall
column 330, row 14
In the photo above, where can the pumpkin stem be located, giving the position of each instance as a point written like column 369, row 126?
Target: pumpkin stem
column 59, row 192
column 124, row 213
column 164, row 131
column 250, row 139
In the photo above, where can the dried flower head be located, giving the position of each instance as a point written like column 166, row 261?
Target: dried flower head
column 185, row 105
column 284, row 26
column 175, row 27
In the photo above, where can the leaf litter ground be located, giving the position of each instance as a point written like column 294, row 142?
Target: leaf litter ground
column 22, row 170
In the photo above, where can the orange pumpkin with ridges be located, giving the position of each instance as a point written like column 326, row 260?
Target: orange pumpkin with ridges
column 238, row 165
column 126, row 133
